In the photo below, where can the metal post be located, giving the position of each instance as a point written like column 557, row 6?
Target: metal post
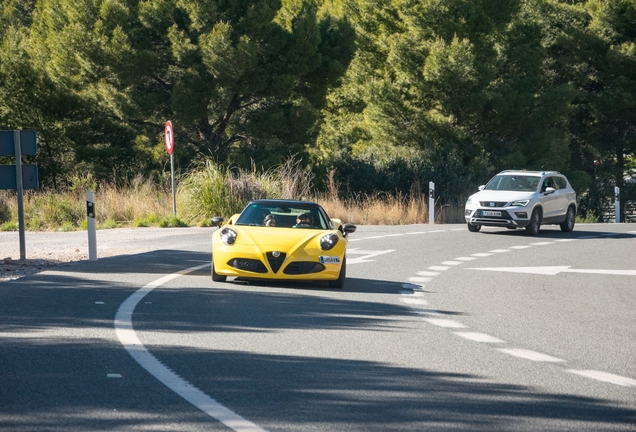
column 431, row 203
column 617, row 204
column 18, row 180
column 92, row 235
column 174, row 199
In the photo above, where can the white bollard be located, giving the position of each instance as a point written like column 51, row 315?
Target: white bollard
column 617, row 204
column 431, row 203
column 92, row 235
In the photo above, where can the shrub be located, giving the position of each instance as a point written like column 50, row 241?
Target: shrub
column 5, row 210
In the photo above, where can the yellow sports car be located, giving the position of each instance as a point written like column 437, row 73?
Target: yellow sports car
column 281, row 239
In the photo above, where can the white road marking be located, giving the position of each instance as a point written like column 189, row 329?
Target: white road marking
column 437, row 231
column 465, row 259
column 566, row 240
column 99, row 302
column 530, row 355
column 366, row 255
column 127, row 336
column 631, row 232
column 417, row 232
column 555, row 270
column 438, row 268
column 446, row 323
column 479, row 337
column 541, row 243
column 458, row 229
column 481, row 254
column 452, row 263
column 427, row 273
column 411, row 293
column 520, row 247
column 500, row 250
column 393, row 235
column 605, row 377
column 419, row 279
column 413, row 301
column 113, row 376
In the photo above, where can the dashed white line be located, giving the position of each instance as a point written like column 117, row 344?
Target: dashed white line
column 427, row 273
column 416, row 232
column 113, row 375
column 605, row 377
column 479, row 337
column 438, row 268
column 481, row 254
column 452, row 263
column 500, row 250
column 465, row 259
column 419, row 279
column 566, row 240
column 520, row 247
column 440, row 322
column 530, row 355
column 411, row 293
column 541, row 243
column 413, row 301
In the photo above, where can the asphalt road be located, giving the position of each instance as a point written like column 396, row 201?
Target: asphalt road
column 436, row 329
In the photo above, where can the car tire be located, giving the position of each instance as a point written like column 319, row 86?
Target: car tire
column 339, row 283
column 534, row 226
column 474, row 228
column 215, row 276
column 570, row 217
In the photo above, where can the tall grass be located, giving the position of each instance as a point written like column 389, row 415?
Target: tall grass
column 207, row 191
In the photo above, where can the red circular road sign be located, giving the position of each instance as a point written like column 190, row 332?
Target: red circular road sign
column 168, row 136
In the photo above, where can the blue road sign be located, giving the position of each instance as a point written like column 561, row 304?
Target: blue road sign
column 28, row 143
column 29, row 177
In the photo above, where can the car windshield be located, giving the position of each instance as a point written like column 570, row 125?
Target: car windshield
column 513, row 183
column 283, row 216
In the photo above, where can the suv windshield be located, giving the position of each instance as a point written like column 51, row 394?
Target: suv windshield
column 513, row 183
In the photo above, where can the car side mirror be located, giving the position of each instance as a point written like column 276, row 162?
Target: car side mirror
column 481, row 188
column 549, row 190
column 217, row 221
column 348, row 228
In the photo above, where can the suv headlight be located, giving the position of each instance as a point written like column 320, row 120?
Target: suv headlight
column 519, row 203
column 228, row 236
column 328, row 241
column 472, row 201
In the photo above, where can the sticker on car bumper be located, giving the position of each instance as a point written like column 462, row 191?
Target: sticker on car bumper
column 329, row 260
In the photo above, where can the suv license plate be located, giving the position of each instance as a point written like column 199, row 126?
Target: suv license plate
column 490, row 213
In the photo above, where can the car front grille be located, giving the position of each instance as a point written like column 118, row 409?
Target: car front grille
column 246, row 264
column 301, row 267
column 493, row 204
column 275, row 262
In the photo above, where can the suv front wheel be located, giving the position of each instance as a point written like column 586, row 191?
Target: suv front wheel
column 535, row 223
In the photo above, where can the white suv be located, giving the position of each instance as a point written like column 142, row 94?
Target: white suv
column 523, row 199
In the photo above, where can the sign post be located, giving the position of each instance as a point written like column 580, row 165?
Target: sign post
column 19, row 143
column 168, row 135
column 617, row 204
column 431, row 203
column 92, row 234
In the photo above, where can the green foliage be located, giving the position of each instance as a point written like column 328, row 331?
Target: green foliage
column 172, row 222
column 5, row 210
column 9, row 226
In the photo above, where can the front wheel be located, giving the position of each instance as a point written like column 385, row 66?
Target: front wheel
column 568, row 224
column 474, row 228
column 339, row 283
column 215, row 276
column 535, row 223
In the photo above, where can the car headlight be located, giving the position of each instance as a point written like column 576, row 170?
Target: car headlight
column 328, row 241
column 228, row 236
column 519, row 203
column 471, row 201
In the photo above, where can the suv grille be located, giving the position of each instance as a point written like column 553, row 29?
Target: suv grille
column 491, row 204
column 275, row 263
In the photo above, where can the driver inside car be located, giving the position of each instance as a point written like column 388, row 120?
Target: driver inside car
column 303, row 220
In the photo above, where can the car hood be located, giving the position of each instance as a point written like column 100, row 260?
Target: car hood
column 506, row 196
column 271, row 237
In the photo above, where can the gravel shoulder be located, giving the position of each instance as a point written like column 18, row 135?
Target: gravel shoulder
column 45, row 250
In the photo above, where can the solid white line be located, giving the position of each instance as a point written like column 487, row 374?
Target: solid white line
column 520, row 247
column 541, row 243
column 417, row 232
column 438, row 268
column 500, row 250
column 437, row 231
column 465, row 259
column 452, row 263
column 444, row 323
column 393, row 235
column 566, row 240
column 605, row 377
column 127, row 336
column 481, row 254
column 530, row 355
column 458, row 229
column 479, row 337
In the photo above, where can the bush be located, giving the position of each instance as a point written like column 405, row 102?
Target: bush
column 5, row 210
